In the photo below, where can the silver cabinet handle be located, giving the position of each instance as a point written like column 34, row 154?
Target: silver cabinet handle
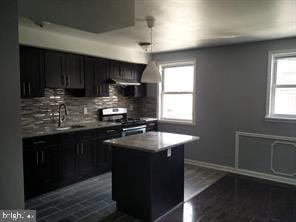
column 29, row 88
column 40, row 142
column 42, row 156
column 24, row 88
column 37, row 159
column 77, row 149
column 110, row 131
column 82, row 149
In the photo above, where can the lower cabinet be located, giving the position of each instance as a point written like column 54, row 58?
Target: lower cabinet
column 40, row 170
column 77, row 157
column 151, row 126
column 55, row 161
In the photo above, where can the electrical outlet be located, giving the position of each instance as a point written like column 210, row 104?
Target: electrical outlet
column 85, row 111
column 131, row 107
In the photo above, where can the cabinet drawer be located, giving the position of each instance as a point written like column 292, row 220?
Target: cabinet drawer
column 73, row 137
column 105, row 132
column 41, row 141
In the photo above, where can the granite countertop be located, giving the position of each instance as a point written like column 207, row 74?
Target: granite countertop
column 148, row 119
column 152, row 141
column 51, row 129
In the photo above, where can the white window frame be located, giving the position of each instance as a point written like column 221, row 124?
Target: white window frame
column 160, row 92
column 271, row 85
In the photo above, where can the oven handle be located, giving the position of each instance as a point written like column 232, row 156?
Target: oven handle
column 134, row 128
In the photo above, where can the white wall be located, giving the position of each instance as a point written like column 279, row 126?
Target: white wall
column 11, row 165
column 52, row 40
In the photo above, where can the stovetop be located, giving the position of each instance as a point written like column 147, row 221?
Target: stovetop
column 131, row 122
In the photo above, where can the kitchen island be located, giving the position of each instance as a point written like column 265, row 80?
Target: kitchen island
column 148, row 173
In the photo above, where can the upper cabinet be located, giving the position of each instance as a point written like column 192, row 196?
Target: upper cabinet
column 31, row 72
column 42, row 68
column 136, row 91
column 96, row 76
column 122, row 70
column 63, row 70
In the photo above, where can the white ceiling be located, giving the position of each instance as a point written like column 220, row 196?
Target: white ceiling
column 182, row 24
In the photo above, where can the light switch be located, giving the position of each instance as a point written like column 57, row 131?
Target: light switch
column 85, row 111
column 169, row 152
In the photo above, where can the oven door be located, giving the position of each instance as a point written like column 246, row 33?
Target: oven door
column 133, row 130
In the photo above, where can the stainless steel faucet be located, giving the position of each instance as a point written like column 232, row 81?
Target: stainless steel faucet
column 62, row 118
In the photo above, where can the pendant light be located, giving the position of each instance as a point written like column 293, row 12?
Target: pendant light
column 151, row 73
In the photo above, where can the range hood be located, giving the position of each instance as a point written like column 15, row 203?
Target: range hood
column 124, row 82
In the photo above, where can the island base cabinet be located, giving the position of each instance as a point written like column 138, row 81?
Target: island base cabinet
column 147, row 185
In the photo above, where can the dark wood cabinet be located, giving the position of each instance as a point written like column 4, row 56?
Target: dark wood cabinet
column 87, row 158
column 96, row 77
column 151, row 126
column 55, row 161
column 54, row 73
column 80, row 75
column 74, row 71
column 104, row 151
column 68, row 163
column 136, row 91
column 31, row 72
column 63, row 70
column 77, row 157
column 114, row 69
column 40, row 166
column 126, row 71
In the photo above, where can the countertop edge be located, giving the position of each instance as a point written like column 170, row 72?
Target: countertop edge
column 149, row 150
column 71, row 130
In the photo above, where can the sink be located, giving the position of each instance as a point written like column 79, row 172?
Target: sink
column 70, row 127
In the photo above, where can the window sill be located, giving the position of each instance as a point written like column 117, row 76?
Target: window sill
column 176, row 122
column 280, row 119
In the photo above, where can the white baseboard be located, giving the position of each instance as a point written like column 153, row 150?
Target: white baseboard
column 242, row 172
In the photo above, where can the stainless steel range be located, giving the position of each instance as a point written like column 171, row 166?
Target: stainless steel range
column 130, row 126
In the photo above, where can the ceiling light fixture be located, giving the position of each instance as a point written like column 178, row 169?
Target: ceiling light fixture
column 151, row 73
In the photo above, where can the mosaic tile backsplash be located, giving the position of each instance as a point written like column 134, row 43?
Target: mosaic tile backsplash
column 38, row 112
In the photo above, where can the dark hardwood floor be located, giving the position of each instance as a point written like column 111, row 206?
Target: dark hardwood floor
column 239, row 199
column 90, row 200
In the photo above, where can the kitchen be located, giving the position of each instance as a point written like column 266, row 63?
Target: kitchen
column 72, row 92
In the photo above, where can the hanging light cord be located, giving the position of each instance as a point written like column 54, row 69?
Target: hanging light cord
column 151, row 40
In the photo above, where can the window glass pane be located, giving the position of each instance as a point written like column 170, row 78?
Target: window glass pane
column 285, row 101
column 177, row 106
column 286, row 71
column 178, row 79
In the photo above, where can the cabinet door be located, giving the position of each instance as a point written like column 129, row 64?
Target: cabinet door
column 102, row 76
column 54, row 72
column 126, row 71
column 48, row 168
column 74, row 71
column 87, row 158
column 140, row 91
column 90, row 78
column 32, row 72
column 114, row 69
column 30, row 157
column 104, row 154
column 68, row 163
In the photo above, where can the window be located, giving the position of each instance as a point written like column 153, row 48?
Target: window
column 176, row 92
column 281, row 102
